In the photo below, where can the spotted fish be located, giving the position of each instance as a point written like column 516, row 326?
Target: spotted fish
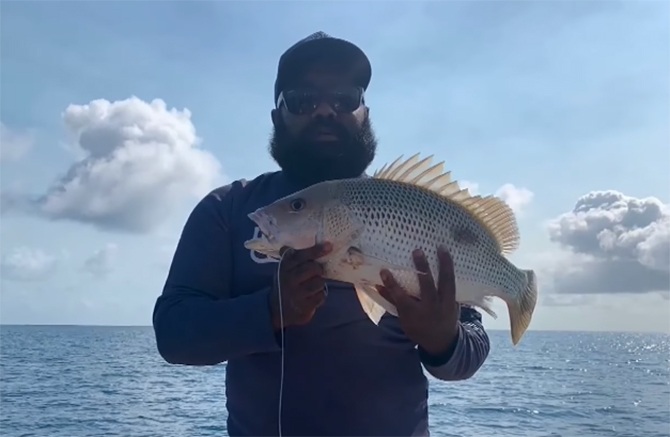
column 376, row 222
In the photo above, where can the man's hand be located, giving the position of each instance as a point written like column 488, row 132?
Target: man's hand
column 432, row 321
column 302, row 287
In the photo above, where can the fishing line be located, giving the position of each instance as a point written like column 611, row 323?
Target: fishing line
column 281, row 327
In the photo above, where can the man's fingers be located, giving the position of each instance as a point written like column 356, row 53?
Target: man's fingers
column 315, row 300
column 305, row 271
column 426, row 281
column 388, row 280
column 446, row 281
column 312, row 286
column 385, row 293
column 398, row 296
column 299, row 256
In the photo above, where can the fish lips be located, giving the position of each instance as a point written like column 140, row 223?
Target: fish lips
column 262, row 246
column 263, row 222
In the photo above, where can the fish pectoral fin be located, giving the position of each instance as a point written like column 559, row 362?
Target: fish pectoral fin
column 356, row 258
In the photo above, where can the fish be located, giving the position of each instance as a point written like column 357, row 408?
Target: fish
column 375, row 222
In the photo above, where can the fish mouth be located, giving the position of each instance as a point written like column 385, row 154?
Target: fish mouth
column 264, row 223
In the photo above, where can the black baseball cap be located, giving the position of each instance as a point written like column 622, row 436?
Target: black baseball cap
column 320, row 46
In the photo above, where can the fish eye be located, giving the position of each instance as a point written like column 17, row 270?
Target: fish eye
column 297, row 204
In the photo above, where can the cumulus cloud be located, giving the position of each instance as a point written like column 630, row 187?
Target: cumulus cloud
column 26, row 264
column 13, row 144
column 101, row 262
column 621, row 244
column 139, row 160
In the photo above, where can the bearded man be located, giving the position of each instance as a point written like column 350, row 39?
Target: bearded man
column 323, row 368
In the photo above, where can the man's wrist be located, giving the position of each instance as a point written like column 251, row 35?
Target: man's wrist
column 439, row 355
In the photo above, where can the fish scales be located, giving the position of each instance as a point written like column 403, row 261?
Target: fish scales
column 398, row 218
column 375, row 223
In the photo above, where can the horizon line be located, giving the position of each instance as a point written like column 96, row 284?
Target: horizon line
column 73, row 325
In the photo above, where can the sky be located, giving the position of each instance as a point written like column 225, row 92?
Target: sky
column 118, row 117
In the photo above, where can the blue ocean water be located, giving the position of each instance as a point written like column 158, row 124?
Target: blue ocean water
column 74, row 381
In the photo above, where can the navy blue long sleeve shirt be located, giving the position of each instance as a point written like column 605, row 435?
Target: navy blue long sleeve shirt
column 343, row 376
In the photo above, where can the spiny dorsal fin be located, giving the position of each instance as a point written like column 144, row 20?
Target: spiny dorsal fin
column 493, row 213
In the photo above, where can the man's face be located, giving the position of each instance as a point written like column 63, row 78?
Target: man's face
column 322, row 130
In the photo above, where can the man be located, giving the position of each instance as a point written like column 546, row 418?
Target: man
column 338, row 373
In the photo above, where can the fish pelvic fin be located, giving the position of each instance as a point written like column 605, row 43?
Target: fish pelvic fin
column 521, row 309
column 372, row 303
column 491, row 212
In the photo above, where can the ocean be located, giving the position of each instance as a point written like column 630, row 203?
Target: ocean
column 74, row 381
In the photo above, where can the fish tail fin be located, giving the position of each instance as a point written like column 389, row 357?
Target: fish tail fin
column 521, row 309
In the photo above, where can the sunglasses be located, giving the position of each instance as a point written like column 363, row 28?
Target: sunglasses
column 304, row 101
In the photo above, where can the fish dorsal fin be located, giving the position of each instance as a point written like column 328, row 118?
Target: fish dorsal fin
column 493, row 213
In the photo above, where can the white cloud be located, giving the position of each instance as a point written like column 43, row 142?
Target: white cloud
column 101, row 263
column 619, row 244
column 516, row 198
column 26, row 264
column 473, row 187
column 140, row 160
column 14, row 145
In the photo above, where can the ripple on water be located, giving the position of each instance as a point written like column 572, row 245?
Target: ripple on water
column 80, row 381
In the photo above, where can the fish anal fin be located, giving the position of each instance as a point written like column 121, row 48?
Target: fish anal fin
column 484, row 304
column 491, row 212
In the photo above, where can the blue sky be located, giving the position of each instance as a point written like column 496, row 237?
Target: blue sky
column 560, row 99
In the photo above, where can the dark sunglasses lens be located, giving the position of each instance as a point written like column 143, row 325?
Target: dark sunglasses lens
column 346, row 100
column 305, row 101
column 301, row 101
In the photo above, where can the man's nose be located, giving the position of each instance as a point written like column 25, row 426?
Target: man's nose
column 324, row 110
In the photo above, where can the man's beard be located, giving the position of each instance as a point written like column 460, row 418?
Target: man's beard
column 306, row 162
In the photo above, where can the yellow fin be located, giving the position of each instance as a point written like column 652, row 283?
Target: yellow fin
column 438, row 181
column 492, row 212
column 521, row 309
column 431, row 173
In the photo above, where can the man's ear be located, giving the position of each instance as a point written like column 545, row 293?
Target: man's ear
column 274, row 115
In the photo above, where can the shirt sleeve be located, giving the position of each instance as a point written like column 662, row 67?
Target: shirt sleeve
column 195, row 319
column 467, row 353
